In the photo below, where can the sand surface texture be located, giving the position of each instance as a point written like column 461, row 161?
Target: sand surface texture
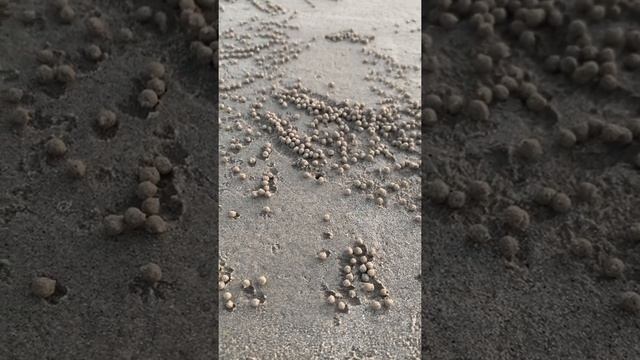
column 342, row 79
column 52, row 214
column 538, row 101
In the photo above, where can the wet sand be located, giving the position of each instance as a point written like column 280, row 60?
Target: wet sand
column 294, row 318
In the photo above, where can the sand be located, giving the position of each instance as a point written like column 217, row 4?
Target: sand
column 546, row 303
column 295, row 321
column 51, row 224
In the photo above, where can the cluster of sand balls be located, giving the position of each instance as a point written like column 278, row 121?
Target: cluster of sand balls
column 439, row 192
column 235, row 145
column 224, row 276
column 155, row 85
column 515, row 220
column 251, row 288
column 499, row 79
column 56, row 148
column 290, row 136
column 583, row 60
column 145, row 14
column 53, row 69
column 269, row 55
column 266, row 151
column 341, row 135
column 558, row 36
column 98, row 31
column 205, row 54
column 610, row 266
column 199, row 18
column 147, row 215
column 241, row 175
column 267, row 185
column 269, row 7
column 339, row 145
column 358, row 266
column 556, row 200
column 350, row 35
column 342, row 122
column 594, row 128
